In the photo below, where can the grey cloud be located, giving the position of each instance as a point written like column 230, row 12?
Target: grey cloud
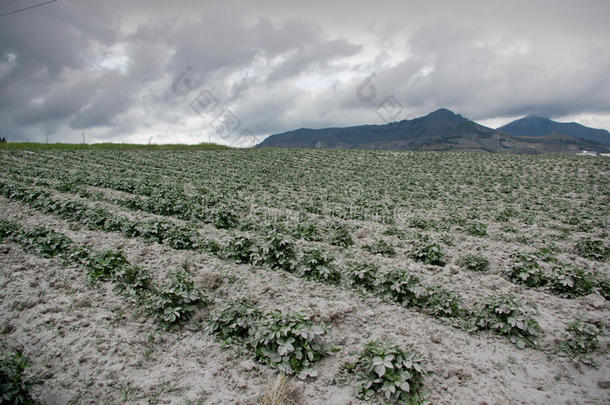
column 482, row 59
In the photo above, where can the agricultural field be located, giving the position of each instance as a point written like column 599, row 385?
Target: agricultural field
column 325, row 277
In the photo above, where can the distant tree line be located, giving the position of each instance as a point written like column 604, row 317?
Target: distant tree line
column 3, row 139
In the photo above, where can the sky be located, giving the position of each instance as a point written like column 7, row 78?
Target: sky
column 234, row 72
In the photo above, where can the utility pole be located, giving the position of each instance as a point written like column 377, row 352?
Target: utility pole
column 47, row 138
column 84, row 138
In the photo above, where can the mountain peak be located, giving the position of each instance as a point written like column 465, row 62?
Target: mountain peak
column 536, row 126
column 443, row 114
column 534, row 117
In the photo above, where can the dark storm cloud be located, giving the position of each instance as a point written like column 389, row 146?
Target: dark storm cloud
column 129, row 70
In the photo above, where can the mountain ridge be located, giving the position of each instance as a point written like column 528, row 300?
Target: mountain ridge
column 534, row 125
column 441, row 129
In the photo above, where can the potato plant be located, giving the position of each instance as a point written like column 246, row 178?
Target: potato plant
column 390, row 373
column 506, row 315
column 15, row 384
column 473, row 262
column 175, row 302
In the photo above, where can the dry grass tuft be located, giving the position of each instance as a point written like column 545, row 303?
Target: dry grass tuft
column 279, row 391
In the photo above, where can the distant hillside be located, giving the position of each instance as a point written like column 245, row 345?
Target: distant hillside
column 533, row 125
column 440, row 130
column 109, row 146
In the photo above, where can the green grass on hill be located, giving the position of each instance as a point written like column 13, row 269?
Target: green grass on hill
column 109, row 146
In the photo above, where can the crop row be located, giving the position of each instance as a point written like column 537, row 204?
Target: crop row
column 503, row 315
column 279, row 253
column 562, row 279
column 290, row 342
column 407, row 178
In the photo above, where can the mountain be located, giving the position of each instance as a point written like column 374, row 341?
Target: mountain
column 535, row 126
column 439, row 130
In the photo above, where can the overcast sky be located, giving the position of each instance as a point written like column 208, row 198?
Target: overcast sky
column 236, row 71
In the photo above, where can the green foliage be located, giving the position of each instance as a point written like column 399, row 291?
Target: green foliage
column 389, row 373
column 421, row 223
column 593, row 249
column 473, row 262
column 224, row 217
column 318, row 265
column 290, row 342
column 582, row 338
column 506, row 214
column 477, row 229
column 102, row 266
column 7, row 228
column 394, row 231
column 175, row 302
column 235, row 321
column 307, row 230
column 507, row 316
column 525, row 269
column 133, row 281
column 381, row 247
column 400, row 286
column 278, row 252
column 362, row 275
column 443, row 303
column 428, row 252
column 571, row 282
column 241, row 249
column 14, row 385
column 165, row 232
column 603, row 287
column 340, row 236
column 44, row 241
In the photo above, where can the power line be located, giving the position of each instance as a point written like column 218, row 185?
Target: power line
column 27, row 8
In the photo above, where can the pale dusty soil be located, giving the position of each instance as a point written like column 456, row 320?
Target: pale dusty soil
column 92, row 346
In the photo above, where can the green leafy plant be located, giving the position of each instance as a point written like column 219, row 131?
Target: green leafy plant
column 44, row 241
column 390, row 372
column 507, row 316
column 241, row 249
column 133, row 281
column 525, row 269
column 428, row 252
column 603, row 287
column 443, row 303
column 318, row 265
column 7, row 228
column 473, row 262
column 223, row 217
column 400, row 286
column 307, row 230
column 278, row 252
column 477, row 229
column 594, row 249
column 290, row 342
column 102, row 266
column 235, row 321
column 181, row 238
column 339, row 235
column 381, row 247
column 15, row 386
column 362, row 275
column 581, row 339
column 571, row 282
column 175, row 302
